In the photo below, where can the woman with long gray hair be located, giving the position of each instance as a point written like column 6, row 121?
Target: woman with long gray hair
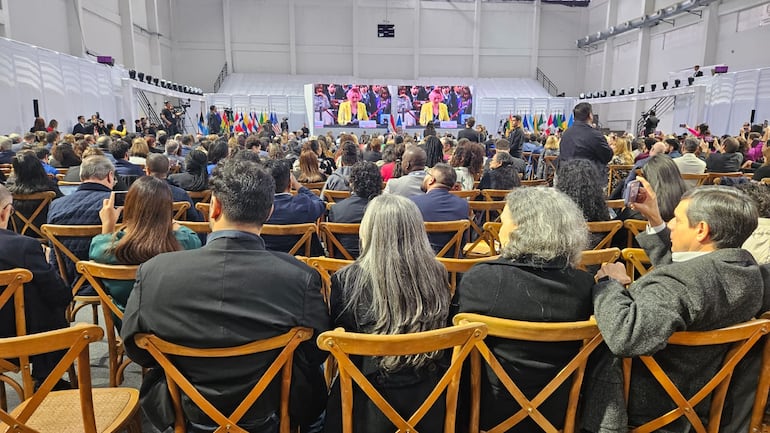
column 535, row 279
column 388, row 292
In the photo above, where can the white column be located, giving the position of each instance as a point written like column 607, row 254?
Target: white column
column 292, row 38
column 476, row 37
column 709, row 34
column 609, row 46
column 534, row 56
column 5, row 22
column 355, row 40
column 643, row 54
column 154, row 39
column 416, row 40
column 228, row 43
column 75, row 28
column 127, row 34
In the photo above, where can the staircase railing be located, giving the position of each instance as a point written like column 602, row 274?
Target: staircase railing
column 146, row 106
column 546, row 82
column 660, row 107
column 221, row 78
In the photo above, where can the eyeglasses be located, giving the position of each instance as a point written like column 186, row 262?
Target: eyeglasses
column 13, row 210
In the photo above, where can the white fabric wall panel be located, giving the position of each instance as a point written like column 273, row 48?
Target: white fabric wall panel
column 720, row 103
column 744, row 98
column 763, row 96
column 10, row 113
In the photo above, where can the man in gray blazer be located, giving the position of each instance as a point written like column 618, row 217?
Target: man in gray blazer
column 413, row 166
column 702, row 281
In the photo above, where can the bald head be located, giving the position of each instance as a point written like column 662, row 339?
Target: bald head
column 414, row 159
column 658, row 148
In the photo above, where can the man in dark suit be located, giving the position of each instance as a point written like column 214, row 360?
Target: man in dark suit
column 229, row 293
column 583, row 141
column 437, row 204
column 702, row 280
column 120, row 151
column 468, row 132
column 80, row 127
column 366, row 182
column 516, row 137
column 157, row 166
column 45, row 297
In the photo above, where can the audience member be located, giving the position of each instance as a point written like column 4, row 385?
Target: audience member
column 468, row 161
column 516, row 136
column 195, row 177
column 218, row 151
column 433, row 151
column 391, row 158
column 338, row 180
column 366, row 182
column 6, row 151
column 373, row 148
column 157, row 166
column 386, row 292
column 661, row 172
column 43, row 155
column 726, row 158
column 468, row 132
column 413, row 167
column 534, row 279
column 583, row 141
column 689, row 162
column 260, row 294
column 502, row 173
column 309, row 171
column 139, row 151
column 550, row 148
column 120, row 151
column 29, row 177
column 174, row 155
column 758, row 243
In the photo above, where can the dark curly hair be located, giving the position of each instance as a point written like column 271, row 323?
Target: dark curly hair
column 580, row 180
column 434, row 149
column 468, row 154
column 366, row 180
column 760, row 193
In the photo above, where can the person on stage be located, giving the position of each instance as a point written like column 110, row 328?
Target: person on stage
column 434, row 110
column 352, row 110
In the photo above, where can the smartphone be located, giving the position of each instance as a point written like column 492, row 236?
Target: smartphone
column 682, row 125
column 631, row 193
column 708, row 139
column 119, row 198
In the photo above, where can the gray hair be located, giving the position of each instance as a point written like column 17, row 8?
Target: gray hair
column 5, row 143
column 95, row 168
column 730, row 214
column 691, row 144
column 549, row 226
column 172, row 146
column 408, row 292
column 104, row 142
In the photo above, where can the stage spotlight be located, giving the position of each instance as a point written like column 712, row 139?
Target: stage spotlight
column 652, row 87
column 665, row 85
column 631, row 90
column 612, row 93
column 641, row 89
column 582, row 96
column 677, row 82
column 140, row 76
column 589, row 95
column 132, row 74
column 604, row 94
column 148, row 78
column 622, row 92
column 690, row 80
column 155, row 80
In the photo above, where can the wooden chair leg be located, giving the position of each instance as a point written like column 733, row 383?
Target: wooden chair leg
column 3, row 398
column 95, row 313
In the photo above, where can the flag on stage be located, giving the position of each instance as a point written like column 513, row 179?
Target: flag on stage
column 273, row 117
column 244, row 123
column 524, row 122
column 277, row 129
column 392, row 124
column 223, row 124
column 201, row 127
column 536, row 124
column 571, row 120
column 398, row 124
column 550, row 120
column 563, row 123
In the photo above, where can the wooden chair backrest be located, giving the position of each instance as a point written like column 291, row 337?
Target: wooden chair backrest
column 489, row 211
column 492, row 194
column 200, row 196
column 616, row 203
column 712, row 176
column 550, row 168
column 304, row 231
column 535, row 182
column 201, row 228
column 458, row 227
column 13, row 281
column 634, row 227
column 314, row 185
column 328, row 235
column 342, row 344
column 492, row 234
column 459, row 266
column 44, row 199
column 608, row 227
column 326, row 267
column 66, row 183
column 468, row 195
column 75, row 341
column 763, row 386
column 765, row 180
column 288, row 342
column 180, row 209
column 742, row 337
column 335, row 196
column 95, row 273
column 54, row 233
column 616, row 173
column 6, row 169
column 598, row 257
column 203, row 208
column 699, row 177
column 587, row 332
column 636, row 261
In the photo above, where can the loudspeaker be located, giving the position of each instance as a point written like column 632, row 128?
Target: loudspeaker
column 36, row 109
column 751, row 121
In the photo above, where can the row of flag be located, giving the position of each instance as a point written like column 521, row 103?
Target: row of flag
column 541, row 123
column 242, row 122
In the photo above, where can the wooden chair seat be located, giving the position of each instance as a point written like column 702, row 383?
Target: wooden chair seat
column 616, row 203
column 598, row 257
column 13, row 281
column 741, row 338
column 586, row 332
column 342, row 344
column 163, row 351
column 197, row 226
column 483, row 212
column 456, row 241
column 55, row 233
column 84, row 410
column 697, row 178
column 534, row 182
column 314, row 185
column 608, row 227
column 329, row 232
column 43, row 199
column 713, row 177
column 95, row 274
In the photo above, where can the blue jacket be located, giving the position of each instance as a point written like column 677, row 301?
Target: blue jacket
column 305, row 207
column 439, row 205
column 125, row 168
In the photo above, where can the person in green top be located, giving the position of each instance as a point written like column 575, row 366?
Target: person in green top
column 148, row 230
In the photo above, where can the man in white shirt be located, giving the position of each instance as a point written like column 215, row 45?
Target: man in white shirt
column 689, row 162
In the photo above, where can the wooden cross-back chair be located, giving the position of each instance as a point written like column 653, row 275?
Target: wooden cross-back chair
column 741, row 337
column 550, row 168
column 342, row 344
column 303, row 231
column 162, row 350
column 534, row 182
column 202, row 228
column 13, row 281
column 598, row 257
column 616, row 203
column 55, row 233
column 326, row 267
column 459, row 266
column 6, row 169
column 200, row 196
column 87, row 410
column 634, row 227
column 756, row 423
column 467, row 195
column 617, row 173
column 96, row 273
column 696, row 178
column 495, row 194
column 332, row 196
column 203, row 208
column 636, row 261
column 329, row 232
column 180, row 210
column 713, row 176
column 608, row 227
column 314, row 185
column 488, row 211
column 27, row 222
column 586, row 332
column 491, row 234
column 456, row 241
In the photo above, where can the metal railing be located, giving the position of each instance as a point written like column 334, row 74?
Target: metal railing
column 221, row 78
column 546, row 82
column 660, row 107
column 146, row 106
